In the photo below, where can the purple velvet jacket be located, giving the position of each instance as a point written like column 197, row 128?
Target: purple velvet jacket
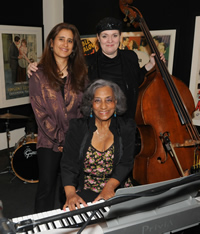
column 52, row 111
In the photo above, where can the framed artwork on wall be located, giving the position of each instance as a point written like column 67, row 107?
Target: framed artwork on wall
column 19, row 46
column 164, row 39
column 195, row 73
column 89, row 43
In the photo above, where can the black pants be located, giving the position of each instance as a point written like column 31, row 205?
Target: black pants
column 49, row 166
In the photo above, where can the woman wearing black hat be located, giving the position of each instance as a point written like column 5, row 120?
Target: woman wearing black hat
column 111, row 63
column 119, row 66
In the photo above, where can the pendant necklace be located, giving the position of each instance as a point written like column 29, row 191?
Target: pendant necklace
column 60, row 73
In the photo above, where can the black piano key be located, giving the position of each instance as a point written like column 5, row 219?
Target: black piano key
column 104, row 210
column 47, row 226
column 70, row 220
column 88, row 214
column 99, row 214
column 73, row 220
column 84, row 217
column 62, row 223
column 58, row 223
column 81, row 218
column 38, row 228
column 66, row 222
column 51, row 226
column 54, row 226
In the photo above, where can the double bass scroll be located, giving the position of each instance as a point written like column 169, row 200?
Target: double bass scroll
column 165, row 104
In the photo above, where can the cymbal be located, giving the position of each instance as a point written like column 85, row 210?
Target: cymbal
column 12, row 116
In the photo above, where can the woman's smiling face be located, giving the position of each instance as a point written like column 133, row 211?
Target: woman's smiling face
column 109, row 41
column 63, row 44
column 104, row 103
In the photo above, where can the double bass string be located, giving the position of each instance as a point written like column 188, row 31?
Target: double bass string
column 190, row 138
column 174, row 94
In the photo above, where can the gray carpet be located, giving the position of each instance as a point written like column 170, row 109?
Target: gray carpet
column 16, row 195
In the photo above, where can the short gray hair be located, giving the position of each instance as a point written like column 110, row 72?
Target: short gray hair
column 88, row 96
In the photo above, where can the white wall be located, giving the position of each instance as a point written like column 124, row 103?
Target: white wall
column 52, row 15
column 15, row 135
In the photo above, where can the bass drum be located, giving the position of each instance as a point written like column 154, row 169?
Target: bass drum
column 24, row 159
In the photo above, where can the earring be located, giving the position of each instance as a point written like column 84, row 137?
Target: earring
column 115, row 114
column 91, row 115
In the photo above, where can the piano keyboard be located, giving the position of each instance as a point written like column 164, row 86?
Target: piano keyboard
column 67, row 222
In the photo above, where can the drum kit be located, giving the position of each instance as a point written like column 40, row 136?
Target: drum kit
column 23, row 161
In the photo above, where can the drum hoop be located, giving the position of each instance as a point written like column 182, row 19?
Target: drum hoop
column 24, row 137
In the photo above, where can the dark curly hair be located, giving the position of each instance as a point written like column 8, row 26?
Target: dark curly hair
column 90, row 91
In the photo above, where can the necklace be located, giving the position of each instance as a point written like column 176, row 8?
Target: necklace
column 101, row 136
column 60, row 73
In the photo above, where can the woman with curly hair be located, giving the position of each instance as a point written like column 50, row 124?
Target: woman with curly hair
column 98, row 151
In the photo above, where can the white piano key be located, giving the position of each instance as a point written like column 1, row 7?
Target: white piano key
column 57, row 222
column 84, row 217
column 15, row 220
column 71, row 221
column 49, row 214
column 99, row 215
column 107, row 208
column 42, row 226
column 79, row 219
column 65, row 221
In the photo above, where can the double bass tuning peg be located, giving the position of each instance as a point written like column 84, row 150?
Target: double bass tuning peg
column 125, row 19
column 131, row 22
column 126, row 15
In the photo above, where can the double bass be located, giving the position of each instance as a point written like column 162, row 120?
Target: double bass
column 169, row 140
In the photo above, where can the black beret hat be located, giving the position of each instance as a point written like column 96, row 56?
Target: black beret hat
column 109, row 23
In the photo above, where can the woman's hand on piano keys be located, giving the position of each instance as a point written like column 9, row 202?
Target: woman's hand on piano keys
column 73, row 201
column 108, row 191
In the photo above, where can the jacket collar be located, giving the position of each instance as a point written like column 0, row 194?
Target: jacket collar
column 113, row 125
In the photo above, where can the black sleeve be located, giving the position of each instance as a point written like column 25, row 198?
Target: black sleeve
column 70, row 164
column 125, row 165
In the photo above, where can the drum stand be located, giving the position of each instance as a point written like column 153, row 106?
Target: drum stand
column 8, row 169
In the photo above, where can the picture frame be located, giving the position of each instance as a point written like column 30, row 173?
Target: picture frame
column 195, row 73
column 19, row 45
column 89, row 43
column 166, row 39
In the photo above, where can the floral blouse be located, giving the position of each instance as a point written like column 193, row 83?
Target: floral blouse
column 98, row 168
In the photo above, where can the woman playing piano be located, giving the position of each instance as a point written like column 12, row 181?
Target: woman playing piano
column 99, row 148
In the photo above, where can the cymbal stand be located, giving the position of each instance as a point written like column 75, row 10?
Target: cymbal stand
column 8, row 169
